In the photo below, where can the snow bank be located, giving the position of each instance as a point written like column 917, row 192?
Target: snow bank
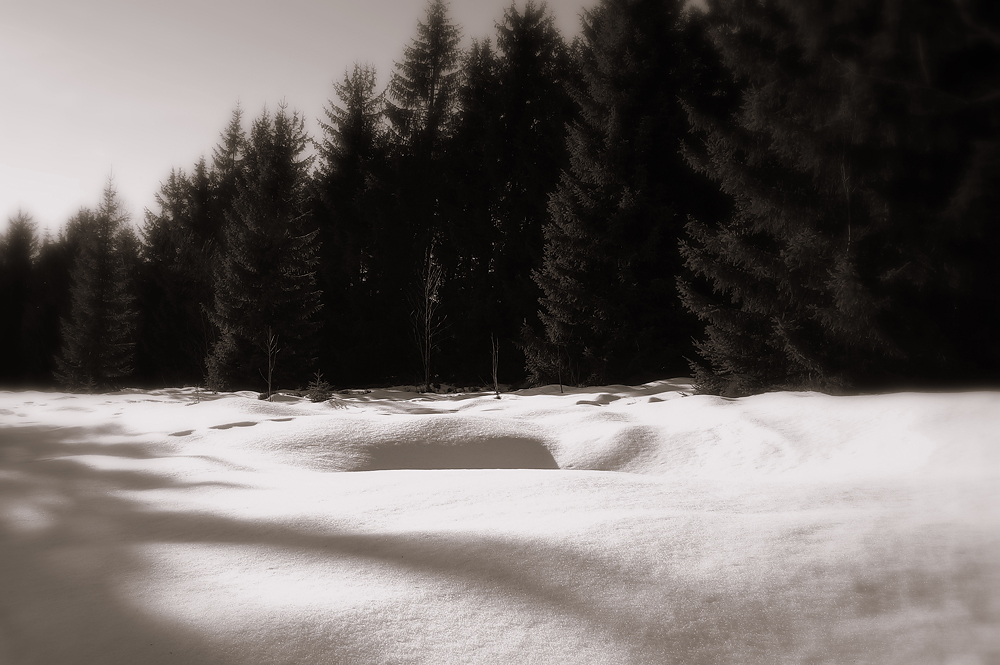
column 608, row 525
column 659, row 428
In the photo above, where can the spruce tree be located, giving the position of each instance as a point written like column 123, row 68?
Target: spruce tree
column 265, row 289
column 226, row 176
column 421, row 108
column 99, row 336
column 534, row 107
column 49, row 304
column 609, row 308
column 176, row 282
column 474, row 165
column 845, row 263
column 422, row 90
column 18, row 249
column 349, row 202
column 470, row 234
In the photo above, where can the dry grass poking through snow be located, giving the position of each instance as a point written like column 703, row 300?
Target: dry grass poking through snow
column 612, row 525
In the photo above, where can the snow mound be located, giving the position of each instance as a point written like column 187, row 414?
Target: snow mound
column 614, row 525
column 657, row 429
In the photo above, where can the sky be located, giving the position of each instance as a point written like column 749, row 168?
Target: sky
column 129, row 89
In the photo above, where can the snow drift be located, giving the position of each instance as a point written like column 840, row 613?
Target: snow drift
column 610, row 525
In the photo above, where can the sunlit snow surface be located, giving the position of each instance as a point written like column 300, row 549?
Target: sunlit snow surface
column 614, row 525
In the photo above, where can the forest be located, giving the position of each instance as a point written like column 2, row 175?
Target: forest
column 764, row 195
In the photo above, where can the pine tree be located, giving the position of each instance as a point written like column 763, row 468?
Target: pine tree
column 423, row 87
column 98, row 337
column 266, row 282
column 610, row 312
column 534, row 107
column 421, row 108
column 844, row 263
column 176, row 282
column 351, row 157
column 18, row 249
column 49, row 304
column 474, row 162
column 349, row 194
column 470, row 233
column 226, row 177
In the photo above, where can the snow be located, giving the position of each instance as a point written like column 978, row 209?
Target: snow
column 612, row 525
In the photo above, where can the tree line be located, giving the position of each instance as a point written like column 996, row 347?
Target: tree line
column 770, row 194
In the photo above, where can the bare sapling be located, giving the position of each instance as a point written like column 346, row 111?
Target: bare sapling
column 559, row 367
column 496, row 355
column 271, row 347
column 428, row 324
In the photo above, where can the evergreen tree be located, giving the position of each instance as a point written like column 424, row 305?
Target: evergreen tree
column 98, row 337
column 176, row 282
column 504, row 158
column 534, row 75
column 474, row 167
column 226, row 178
column 18, row 249
column 423, row 87
column 266, row 282
column 610, row 311
column 470, row 233
column 859, row 134
column 49, row 304
column 421, row 108
column 349, row 206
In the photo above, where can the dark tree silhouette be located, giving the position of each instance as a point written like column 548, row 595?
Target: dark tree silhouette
column 18, row 249
column 99, row 335
column 856, row 160
column 610, row 309
column 176, row 290
column 266, row 281
column 350, row 203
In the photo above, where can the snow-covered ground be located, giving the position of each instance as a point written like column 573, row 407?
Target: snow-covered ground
column 615, row 525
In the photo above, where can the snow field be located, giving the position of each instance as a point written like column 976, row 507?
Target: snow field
column 612, row 525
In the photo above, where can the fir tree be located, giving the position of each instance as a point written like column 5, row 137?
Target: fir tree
column 474, row 162
column 49, row 304
column 844, row 264
column 534, row 107
column 226, row 177
column 610, row 312
column 423, row 87
column 470, row 234
column 503, row 159
column 351, row 156
column 98, row 337
column 350, row 195
column 18, row 249
column 421, row 108
column 266, row 281
column 176, row 282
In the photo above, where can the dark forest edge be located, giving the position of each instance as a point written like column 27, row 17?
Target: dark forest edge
column 772, row 194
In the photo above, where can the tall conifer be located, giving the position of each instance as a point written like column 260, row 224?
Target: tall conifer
column 421, row 107
column 176, row 281
column 610, row 312
column 350, row 206
column 534, row 106
column 266, row 280
column 858, row 129
column 422, row 90
column 18, row 249
column 99, row 335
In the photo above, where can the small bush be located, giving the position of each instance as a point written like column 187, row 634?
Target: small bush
column 318, row 389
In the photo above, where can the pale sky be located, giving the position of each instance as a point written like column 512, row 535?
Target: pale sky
column 136, row 87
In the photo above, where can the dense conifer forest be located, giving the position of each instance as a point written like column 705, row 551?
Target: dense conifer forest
column 769, row 194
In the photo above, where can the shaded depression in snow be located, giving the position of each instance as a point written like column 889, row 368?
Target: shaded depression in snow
column 609, row 525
